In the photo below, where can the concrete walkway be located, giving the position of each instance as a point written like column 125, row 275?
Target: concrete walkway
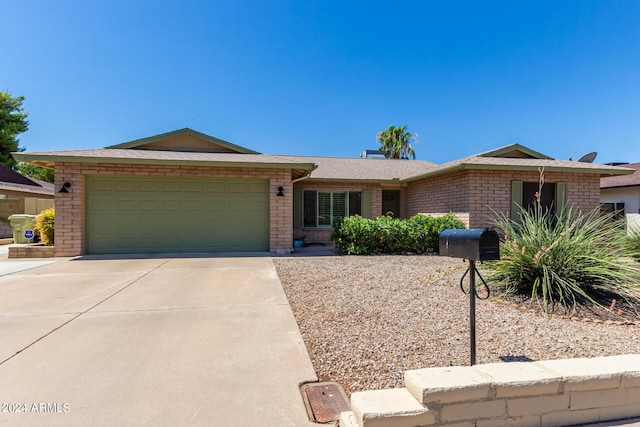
column 172, row 340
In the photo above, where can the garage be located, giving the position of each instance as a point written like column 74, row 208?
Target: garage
column 156, row 214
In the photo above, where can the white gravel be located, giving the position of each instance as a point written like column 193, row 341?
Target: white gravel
column 367, row 319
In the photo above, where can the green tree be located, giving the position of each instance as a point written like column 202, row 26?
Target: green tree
column 36, row 172
column 396, row 142
column 13, row 121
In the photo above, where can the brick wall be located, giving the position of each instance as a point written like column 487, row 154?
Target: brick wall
column 70, row 207
column 480, row 193
column 440, row 193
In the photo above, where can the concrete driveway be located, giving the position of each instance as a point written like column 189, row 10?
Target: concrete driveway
column 172, row 340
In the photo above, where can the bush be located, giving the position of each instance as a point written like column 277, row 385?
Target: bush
column 563, row 257
column 45, row 224
column 356, row 235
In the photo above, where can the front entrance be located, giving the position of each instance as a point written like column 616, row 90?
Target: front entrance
column 391, row 203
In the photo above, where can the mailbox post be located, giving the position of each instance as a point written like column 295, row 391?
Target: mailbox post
column 476, row 244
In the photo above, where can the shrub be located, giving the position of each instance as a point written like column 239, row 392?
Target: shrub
column 45, row 224
column 563, row 257
column 356, row 235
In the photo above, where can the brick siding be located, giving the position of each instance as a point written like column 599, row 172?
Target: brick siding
column 479, row 194
column 473, row 195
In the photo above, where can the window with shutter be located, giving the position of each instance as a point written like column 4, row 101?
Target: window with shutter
column 323, row 208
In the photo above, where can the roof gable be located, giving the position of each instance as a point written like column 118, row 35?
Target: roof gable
column 514, row 151
column 185, row 140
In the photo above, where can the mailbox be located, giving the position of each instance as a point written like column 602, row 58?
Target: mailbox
column 475, row 244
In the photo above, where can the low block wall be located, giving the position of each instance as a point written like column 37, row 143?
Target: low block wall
column 32, row 251
column 547, row 393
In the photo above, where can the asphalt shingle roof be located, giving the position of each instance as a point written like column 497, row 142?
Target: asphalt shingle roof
column 624, row 180
column 12, row 180
column 343, row 168
column 326, row 168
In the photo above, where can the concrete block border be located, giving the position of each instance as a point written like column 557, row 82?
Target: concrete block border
column 545, row 393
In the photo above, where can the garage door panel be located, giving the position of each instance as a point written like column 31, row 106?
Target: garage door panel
column 125, row 185
column 215, row 206
column 194, row 206
column 171, row 205
column 171, row 186
column 198, row 187
column 148, row 186
column 102, row 185
column 148, row 205
column 123, row 205
column 100, row 205
column 255, row 188
column 215, row 187
column 169, row 214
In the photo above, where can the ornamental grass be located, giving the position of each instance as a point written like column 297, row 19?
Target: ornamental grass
column 564, row 258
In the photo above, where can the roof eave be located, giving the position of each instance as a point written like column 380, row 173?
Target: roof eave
column 547, row 168
column 49, row 161
column 24, row 189
column 358, row 181
column 550, row 168
column 615, row 187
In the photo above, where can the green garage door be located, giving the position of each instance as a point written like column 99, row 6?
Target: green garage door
column 167, row 214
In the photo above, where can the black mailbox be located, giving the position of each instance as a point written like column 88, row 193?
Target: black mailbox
column 475, row 244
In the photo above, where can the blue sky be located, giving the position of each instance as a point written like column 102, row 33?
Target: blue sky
column 323, row 77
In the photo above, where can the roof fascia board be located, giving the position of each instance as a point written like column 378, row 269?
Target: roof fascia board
column 34, row 190
column 184, row 131
column 30, row 158
column 467, row 166
column 547, row 168
column 620, row 186
column 356, row 181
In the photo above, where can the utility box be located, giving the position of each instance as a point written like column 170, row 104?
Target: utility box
column 19, row 223
column 475, row 244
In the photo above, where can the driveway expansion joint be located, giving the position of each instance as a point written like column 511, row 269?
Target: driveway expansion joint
column 84, row 311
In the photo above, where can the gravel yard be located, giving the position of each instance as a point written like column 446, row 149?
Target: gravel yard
column 367, row 319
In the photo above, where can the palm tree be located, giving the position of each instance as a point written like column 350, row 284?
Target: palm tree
column 396, row 142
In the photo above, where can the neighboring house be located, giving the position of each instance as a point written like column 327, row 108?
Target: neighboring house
column 14, row 185
column 185, row 191
column 621, row 194
column 20, row 194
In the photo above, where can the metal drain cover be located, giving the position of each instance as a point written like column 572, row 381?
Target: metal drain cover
column 324, row 401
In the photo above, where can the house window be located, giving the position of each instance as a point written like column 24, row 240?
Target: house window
column 617, row 209
column 547, row 196
column 523, row 196
column 322, row 208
